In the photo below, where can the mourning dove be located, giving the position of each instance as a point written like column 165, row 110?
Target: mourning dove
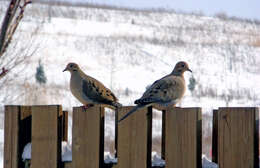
column 166, row 91
column 88, row 90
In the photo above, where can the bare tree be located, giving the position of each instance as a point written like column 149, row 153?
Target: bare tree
column 12, row 18
column 16, row 51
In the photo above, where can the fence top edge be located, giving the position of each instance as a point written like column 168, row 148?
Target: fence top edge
column 185, row 108
column 129, row 106
column 14, row 105
column 235, row 108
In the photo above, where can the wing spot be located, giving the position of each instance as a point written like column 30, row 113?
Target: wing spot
column 94, row 86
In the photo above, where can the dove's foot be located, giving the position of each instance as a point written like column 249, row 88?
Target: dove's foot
column 87, row 106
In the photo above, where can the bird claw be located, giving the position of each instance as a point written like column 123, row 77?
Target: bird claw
column 87, row 106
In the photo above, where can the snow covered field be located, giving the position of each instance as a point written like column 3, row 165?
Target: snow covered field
column 128, row 50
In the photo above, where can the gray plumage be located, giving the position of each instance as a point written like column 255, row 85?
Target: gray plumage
column 89, row 90
column 166, row 91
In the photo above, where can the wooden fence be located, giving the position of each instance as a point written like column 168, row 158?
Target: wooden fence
column 235, row 137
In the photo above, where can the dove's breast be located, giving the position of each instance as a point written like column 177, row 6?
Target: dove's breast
column 176, row 91
column 178, row 88
column 76, row 89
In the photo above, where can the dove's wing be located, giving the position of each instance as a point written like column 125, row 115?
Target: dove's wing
column 164, row 90
column 97, row 92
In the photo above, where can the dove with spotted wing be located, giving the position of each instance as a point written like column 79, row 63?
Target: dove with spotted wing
column 166, row 91
column 88, row 90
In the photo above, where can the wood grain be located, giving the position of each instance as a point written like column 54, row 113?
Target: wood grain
column 237, row 138
column 134, row 138
column 46, row 145
column 11, row 140
column 183, row 138
column 87, row 138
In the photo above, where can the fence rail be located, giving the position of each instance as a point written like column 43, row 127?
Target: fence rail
column 234, row 144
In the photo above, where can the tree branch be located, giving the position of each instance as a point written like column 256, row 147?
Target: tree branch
column 3, row 73
column 8, row 28
column 7, row 20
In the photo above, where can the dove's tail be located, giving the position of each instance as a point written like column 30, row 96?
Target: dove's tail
column 130, row 112
column 116, row 104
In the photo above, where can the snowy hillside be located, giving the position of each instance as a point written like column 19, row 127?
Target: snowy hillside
column 127, row 50
column 131, row 49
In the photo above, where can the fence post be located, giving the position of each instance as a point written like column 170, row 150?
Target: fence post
column 11, row 137
column 238, row 137
column 183, row 138
column 88, row 137
column 135, row 138
column 46, row 142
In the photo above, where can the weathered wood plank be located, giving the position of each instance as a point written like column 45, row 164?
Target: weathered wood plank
column 11, row 140
column 215, row 137
column 134, row 138
column 87, row 138
column 183, row 138
column 46, row 144
column 237, row 137
column 69, row 165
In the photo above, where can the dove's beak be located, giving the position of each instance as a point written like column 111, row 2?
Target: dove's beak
column 189, row 70
column 65, row 69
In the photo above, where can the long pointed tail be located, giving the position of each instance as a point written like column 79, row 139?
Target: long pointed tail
column 116, row 104
column 130, row 112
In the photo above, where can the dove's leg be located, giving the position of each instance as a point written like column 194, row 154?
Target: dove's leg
column 86, row 106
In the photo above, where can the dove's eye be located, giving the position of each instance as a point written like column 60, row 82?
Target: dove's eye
column 183, row 65
column 71, row 66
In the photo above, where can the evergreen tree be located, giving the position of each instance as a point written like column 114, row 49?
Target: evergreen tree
column 40, row 75
column 127, row 91
column 192, row 84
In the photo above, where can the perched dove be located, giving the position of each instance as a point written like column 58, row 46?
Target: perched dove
column 88, row 90
column 166, row 91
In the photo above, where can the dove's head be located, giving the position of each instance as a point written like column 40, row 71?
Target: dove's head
column 71, row 67
column 180, row 68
